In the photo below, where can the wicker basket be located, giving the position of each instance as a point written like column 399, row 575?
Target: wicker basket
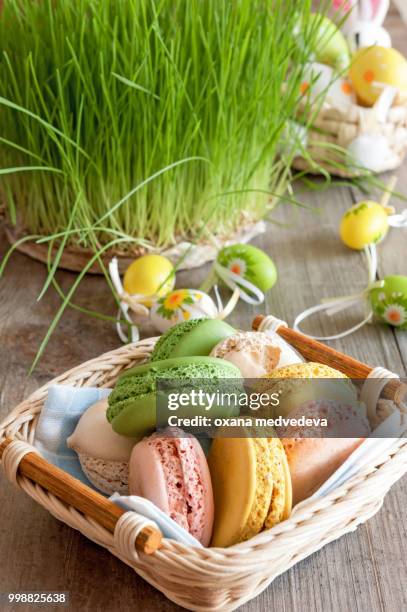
column 196, row 578
column 339, row 128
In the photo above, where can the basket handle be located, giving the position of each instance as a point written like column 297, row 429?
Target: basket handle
column 80, row 496
column 317, row 351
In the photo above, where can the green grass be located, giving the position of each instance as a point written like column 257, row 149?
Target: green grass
column 144, row 121
column 135, row 119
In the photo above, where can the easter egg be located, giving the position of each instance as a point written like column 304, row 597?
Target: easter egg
column 320, row 81
column 374, row 68
column 389, row 302
column 181, row 305
column 330, row 46
column 149, row 275
column 250, row 263
column 364, row 223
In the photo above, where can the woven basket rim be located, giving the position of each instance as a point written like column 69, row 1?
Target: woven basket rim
column 327, row 108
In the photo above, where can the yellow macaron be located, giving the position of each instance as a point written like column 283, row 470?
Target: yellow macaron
column 282, row 498
column 310, row 369
column 303, row 382
column 251, row 485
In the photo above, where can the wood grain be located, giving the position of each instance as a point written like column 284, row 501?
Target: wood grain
column 83, row 498
column 364, row 571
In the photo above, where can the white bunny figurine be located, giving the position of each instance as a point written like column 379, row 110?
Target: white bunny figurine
column 363, row 23
column 367, row 29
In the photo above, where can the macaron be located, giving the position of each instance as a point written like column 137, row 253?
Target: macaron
column 191, row 338
column 256, row 353
column 132, row 407
column 170, row 469
column 310, row 369
column 103, row 454
column 298, row 383
column 314, row 453
column 251, row 486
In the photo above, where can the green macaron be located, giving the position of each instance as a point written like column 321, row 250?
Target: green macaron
column 132, row 405
column 191, row 338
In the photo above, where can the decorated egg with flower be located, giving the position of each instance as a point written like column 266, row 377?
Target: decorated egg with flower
column 389, row 302
column 181, row 305
column 250, row 263
column 364, row 223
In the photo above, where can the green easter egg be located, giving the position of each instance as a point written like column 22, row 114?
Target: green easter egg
column 330, row 44
column 250, row 263
column 389, row 302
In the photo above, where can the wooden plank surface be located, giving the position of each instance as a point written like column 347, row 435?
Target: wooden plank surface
column 363, row 571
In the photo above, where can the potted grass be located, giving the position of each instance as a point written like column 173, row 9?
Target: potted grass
column 134, row 125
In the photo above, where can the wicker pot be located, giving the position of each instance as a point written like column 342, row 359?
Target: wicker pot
column 75, row 258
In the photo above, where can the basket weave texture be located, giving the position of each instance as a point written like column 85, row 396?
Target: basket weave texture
column 333, row 126
column 212, row 578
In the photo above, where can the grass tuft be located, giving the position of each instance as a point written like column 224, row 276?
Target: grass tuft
column 100, row 95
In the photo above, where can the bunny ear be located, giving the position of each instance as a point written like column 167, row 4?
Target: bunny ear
column 364, row 8
column 377, row 10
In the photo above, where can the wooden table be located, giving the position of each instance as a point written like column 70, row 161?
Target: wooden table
column 362, row 571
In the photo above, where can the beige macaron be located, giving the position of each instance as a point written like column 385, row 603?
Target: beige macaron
column 103, row 454
column 256, row 353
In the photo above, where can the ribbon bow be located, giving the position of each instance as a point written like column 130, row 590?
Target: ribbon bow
column 133, row 303
column 334, row 305
column 246, row 290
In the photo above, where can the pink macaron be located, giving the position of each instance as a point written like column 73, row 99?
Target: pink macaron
column 170, row 469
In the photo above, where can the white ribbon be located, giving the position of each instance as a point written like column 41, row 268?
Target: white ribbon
column 399, row 220
column 224, row 311
column 334, row 305
column 248, row 292
column 132, row 303
column 385, row 101
column 394, row 219
column 127, row 302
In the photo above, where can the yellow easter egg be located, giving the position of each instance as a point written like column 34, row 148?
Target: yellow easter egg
column 364, row 223
column 150, row 275
column 374, row 67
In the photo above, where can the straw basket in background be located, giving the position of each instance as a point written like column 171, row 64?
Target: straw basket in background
column 372, row 140
column 196, row 578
